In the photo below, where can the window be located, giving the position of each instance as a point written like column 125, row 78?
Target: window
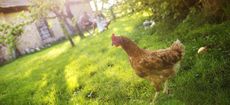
column 43, row 29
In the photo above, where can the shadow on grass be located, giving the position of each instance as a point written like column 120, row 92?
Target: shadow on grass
column 43, row 84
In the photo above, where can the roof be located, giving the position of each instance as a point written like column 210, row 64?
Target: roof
column 14, row 3
column 8, row 6
column 78, row 1
column 24, row 3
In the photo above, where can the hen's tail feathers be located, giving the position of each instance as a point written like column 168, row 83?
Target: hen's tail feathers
column 178, row 46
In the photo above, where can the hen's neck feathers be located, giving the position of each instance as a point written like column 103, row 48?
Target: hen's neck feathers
column 131, row 48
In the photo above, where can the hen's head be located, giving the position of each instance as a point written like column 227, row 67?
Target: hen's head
column 116, row 40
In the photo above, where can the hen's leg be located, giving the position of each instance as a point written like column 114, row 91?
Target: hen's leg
column 155, row 98
column 166, row 89
column 158, row 89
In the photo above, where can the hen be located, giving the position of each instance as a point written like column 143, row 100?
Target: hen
column 156, row 66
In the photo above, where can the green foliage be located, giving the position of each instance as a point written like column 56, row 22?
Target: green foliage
column 176, row 10
column 202, row 77
column 215, row 9
column 9, row 33
column 42, row 9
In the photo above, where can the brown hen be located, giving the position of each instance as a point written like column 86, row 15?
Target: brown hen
column 156, row 66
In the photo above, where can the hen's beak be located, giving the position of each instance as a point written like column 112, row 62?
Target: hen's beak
column 113, row 44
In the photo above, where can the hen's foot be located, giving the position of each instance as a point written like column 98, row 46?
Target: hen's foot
column 154, row 99
column 167, row 91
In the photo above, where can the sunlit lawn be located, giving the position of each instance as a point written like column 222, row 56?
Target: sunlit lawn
column 94, row 73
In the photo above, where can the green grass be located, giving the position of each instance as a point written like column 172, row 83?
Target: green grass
column 96, row 73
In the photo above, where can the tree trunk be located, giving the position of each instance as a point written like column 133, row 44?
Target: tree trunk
column 95, row 5
column 67, row 8
column 102, row 5
column 70, row 16
column 62, row 21
column 112, row 13
column 79, row 31
column 69, row 26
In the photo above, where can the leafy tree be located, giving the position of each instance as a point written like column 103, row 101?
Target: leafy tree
column 214, row 10
column 9, row 33
column 42, row 9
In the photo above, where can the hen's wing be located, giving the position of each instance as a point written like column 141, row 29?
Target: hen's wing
column 160, row 59
column 163, row 58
